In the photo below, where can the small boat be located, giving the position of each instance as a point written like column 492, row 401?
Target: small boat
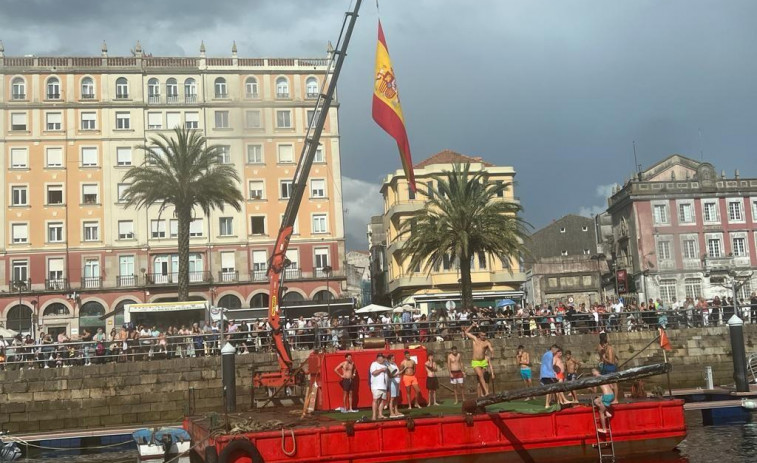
column 162, row 444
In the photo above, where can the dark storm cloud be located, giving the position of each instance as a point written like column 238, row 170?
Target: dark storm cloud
column 557, row 89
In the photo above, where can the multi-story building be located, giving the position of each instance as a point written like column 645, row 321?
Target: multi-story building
column 71, row 128
column 680, row 230
column 378, row 269
column 563, row 264
column 493, row 277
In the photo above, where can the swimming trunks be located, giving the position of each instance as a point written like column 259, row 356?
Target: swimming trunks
column 346, row 384
column 609, row 368
column 432, row 383
column 607, row 399
column 456, row 377
column 480, row 363
column 409, row 380
column 525, row 373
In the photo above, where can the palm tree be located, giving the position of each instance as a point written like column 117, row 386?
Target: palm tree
column 464, row 215
column 184, row 172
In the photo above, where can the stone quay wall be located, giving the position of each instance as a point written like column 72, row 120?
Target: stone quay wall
column 162, row 391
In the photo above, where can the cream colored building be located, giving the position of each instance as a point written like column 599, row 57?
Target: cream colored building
column 492, row 278
column 71, row 128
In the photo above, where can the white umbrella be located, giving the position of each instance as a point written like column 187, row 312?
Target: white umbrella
column 405, row 308
column 373, row 308
column 7, row 333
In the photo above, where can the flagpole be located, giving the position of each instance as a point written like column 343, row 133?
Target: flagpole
column 665, row 359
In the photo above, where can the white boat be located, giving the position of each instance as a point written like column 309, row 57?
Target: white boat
column 162, row 444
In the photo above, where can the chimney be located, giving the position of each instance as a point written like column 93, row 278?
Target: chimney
column 736, row 174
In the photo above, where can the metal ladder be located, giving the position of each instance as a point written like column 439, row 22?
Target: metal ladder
column 605, row 445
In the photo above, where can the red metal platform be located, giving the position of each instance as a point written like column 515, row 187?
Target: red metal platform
column 567, row 435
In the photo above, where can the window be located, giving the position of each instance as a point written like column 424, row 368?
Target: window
column 739, row 247
column 686, row 213
column 222, row 119
column 587, row 252
column 254, row 154
column 259, row 265
column 282, row 87
column 220, row 88
column 87, row 88
column 88, row 121
column 153, row 90
column 19, row 158
column 195, row 228
column 257, row 225
column 227, row 262
column 126, row 268
column 88, row 157
column 500, row 188
column 172, row 90
column 584, row 228
column 157, row 229
column 312, row 115
column 252, row 119
column 54, row 157
column 735, row 211
column 125, row 229
column 319, row 157
column 318, row 188
column 18, row 196
column 122, row 88
column 286, row 153
column 481, row 261
column 667, row 291
column 410, row 193
column 121, row 191
column 154, row 121
column 55, row 232
column 251, row 87
column 224, row 154
column 123, row 121
column 319, row 223
column 20, row 270
column 285, row 190
column 173, row 228
column 191, row 120
column 123, row 156
column 754, row 210
column 562, row 229
column 226, row 226
column 711, row 212
column 284, row 119
column 564, row 252
column 311, row 87
column 53, row 121
column 256, row 189
column 91, row 231
column 20, row 233
column 321, row 257
column 660, row 214
column 690, row 249
column 54, row 194
column 693, row 287
column 90, row 194
column 55, row 277
column 18, row 121
column 714, row 248
column 91, row 273
column 18, row 89
column 663, row 250
column 53, row 88
column 190, row 90
column 173, row 120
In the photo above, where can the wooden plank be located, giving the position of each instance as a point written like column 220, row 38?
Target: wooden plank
column 712, row 405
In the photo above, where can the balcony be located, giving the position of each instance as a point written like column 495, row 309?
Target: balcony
column 56, row 284
column 228, row 276
column 53, row 96
column 20, row 285
column 311, row 95
column 87, row 96
column 122, row 96
column 125, row 281
column 320, row 273
column 153, row 99
column 259, row 275
column 91, row 282
column 250, row 96
column 405, row 207
column 292, row 274
column 396, row 245
column 221, row 95
column 172, row 99
column 173, row 278
column 404, row 281
column 19, row 96
column 282, row 95
column 190, row 99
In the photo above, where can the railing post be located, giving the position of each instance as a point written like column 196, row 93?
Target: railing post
column 738, row 352
column 228, row 373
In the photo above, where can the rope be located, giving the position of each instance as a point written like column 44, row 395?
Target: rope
column 283, row 443
column 28, row 444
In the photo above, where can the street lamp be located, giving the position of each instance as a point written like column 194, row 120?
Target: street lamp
column 327, row 270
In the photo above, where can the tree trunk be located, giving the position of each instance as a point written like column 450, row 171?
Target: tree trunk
column 184, row 217
column 466, row 288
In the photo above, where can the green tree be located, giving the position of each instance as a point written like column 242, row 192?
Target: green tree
column 184, row 172
column 465, row 214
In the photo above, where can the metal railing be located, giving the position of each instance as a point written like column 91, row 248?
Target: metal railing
column 91, row 282
column 56, row 284
column 228, row 276
column 172, row 99
column 189, row 99
column 173, row 278
column 259, row 275
column 127, row 280
column 292, row 274
column 20, row 285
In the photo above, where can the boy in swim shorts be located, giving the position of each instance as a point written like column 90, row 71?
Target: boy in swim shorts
column 604, row 403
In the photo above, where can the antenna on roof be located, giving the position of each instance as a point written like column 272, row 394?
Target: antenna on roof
column 637, row 166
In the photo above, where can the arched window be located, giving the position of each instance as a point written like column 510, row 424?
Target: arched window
column 172, row 90
column 230, row 301
column 89, row 316
column 118, row 319
column 293, row 296
column 53, row 88
column 220, row 88
column 56, row 309
column 282, row 87
column 311, row 87
column 323, row 296
column 19, row 319
column 259, row 300
column 87, row 88
column 18, row 87
column 251, row 87
column 190, row 90
column 122, row 88
column 153, row 90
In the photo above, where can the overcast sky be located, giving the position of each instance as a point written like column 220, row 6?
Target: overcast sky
column 558, row 89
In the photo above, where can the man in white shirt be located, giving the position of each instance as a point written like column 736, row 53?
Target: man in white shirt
column 378, row 386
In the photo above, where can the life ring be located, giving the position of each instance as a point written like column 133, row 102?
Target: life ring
column 238, row 448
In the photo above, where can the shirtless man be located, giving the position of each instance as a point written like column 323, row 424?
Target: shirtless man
column 346, row 371
column 480, row 363
column 456, row 375
column 432, row 382
column 571, row 371
column 604, row 402
column 524, row 364
column 559, row 366
column 407, row 370
column 609, row 362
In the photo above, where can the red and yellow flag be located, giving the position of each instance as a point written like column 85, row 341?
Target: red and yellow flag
column 387, row 111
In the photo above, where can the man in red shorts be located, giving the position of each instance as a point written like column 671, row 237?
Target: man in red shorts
column 456, row 374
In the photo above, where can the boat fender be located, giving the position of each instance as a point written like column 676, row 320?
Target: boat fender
column 349, row 428
column 410, row 424
column 236, row 448
column 211, row 454
column 468, row 420
column 749, row 404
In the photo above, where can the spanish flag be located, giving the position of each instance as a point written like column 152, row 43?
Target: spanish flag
column 387, row 111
